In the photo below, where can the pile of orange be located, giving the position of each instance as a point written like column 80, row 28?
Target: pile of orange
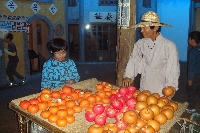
column 59, row 106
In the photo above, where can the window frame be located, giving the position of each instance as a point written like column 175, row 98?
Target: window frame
column 108, row 2
column 108, row 53
column 45, row 1
column 72, row 1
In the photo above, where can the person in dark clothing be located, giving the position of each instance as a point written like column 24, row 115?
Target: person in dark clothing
column 12, row 62
column 193, row 84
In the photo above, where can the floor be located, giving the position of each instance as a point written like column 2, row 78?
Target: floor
column 104, row 72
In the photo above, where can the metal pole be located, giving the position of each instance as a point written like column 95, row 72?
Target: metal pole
column 81, row 32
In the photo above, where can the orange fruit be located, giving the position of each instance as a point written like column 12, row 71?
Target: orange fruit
column 62, row 106
column 61, row 122
column 70, row 111
column 77, row 109
column 62, row 113
column 104, row 83
column 113, row 91
column 79, row 99
column 52, row 118
column 101, row 93
column 33, row 108
column 45, row 97
column 107, row 88
column 67, row 98
column 74, row 95
column 55, row 94
column 45, row 114
column 99, row 87
column 108, row 93
column 70, row 103
column 87, row 93
column 99, row 102
column 53, row 109
column 70, row 119
column 88, row 109
column 43, row 105
column 106, row 100
column 46, row 90
column 77, row 90
column 39, row 98
column 84, row 103
column 81, row 94
column 61, row 102
column 98, row 98
column 91, row 98
column 52, row 103
column 67, row 89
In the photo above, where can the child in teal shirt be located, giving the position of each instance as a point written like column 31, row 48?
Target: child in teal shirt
column 58, row 70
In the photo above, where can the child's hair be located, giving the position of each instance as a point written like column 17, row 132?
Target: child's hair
column 195, row 35
column 9, row 36
column 57, row 44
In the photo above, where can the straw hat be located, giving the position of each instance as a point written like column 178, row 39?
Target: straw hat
column 150, row 18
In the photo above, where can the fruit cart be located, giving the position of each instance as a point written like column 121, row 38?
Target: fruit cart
column 191, row 125
column 80, row 125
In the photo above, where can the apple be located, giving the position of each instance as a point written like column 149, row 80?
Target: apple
column 124, row 109
column 119, row 116
column 129, row 96
column 100, row 120
column 117, row 104
column 123, row 91
column 113, row 97
column 131, row 103
column 131, row 89
column 122, row 99
column 98, row 109
column 90, row 116
column 121, row 125
column 111, row 112
column 118, row 94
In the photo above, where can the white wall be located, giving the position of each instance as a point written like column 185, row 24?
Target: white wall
column 175, row 13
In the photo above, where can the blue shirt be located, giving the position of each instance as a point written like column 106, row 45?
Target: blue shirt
column 194, row 62
column 55, row 73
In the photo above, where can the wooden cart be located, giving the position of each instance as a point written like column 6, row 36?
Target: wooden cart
column 80, row 125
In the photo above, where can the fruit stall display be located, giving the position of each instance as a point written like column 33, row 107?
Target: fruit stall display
column 92, row 106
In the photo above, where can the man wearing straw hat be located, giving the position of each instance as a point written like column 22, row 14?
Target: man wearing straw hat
column 154, row 57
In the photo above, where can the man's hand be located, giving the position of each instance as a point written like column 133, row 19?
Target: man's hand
column 170, row 97
column 127, row 82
